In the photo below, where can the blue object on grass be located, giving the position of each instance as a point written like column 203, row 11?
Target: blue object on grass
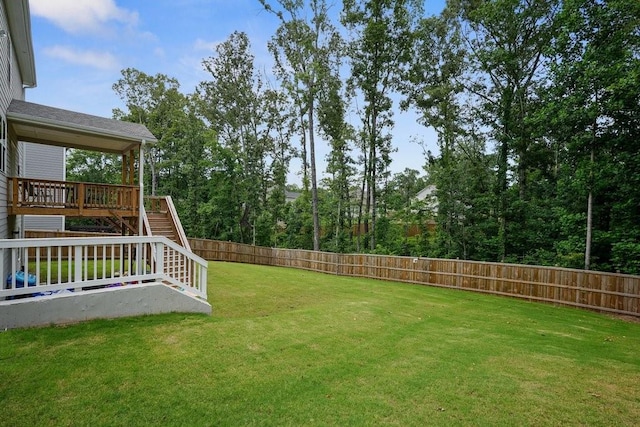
column 31, row 280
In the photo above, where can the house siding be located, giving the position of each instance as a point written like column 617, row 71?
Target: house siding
column 10, row 88
column 5, row 99
column 44, row 222
column 44, row 162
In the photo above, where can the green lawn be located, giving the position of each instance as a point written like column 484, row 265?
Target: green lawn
column 288, row 347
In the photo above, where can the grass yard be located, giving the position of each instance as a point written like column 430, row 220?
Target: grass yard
column 288, row 347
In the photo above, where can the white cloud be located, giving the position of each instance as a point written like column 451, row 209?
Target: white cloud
column 82, row 16
column 100, row 60
column 159, row 52
column 205, row 45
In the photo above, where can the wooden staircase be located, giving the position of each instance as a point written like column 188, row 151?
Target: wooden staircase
column 162, row 225
column 162, row 220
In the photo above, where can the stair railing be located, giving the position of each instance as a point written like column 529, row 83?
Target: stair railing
column 145, row 222
column 171, row 209
column 164, row 204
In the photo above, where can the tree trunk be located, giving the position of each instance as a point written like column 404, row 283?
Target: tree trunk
column 587, row 249
column 305, row 163
column 372, row 180
column 587, row 246
column 365, row 173
column 503, row 165
column 154, row 177
column 314, row 183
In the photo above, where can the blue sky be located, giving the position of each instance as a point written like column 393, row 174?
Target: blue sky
column 81, row 46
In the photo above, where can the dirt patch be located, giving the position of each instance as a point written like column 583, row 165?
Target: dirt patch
column 625, row 317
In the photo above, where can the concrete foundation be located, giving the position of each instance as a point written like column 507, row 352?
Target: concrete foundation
column 132, row 300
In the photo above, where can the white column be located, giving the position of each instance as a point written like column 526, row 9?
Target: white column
column 140, row 268
column 141, row 183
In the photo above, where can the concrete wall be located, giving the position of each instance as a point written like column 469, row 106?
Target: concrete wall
column 131, row 300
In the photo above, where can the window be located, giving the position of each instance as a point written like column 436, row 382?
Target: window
column 3, row 144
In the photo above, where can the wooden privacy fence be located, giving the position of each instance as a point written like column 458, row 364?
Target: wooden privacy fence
column 614, row 293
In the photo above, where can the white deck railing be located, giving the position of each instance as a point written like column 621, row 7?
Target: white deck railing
column 35, row 266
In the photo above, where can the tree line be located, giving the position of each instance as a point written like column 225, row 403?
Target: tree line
column 536, row 105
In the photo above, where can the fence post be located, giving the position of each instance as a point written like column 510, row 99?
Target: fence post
column 413, row 270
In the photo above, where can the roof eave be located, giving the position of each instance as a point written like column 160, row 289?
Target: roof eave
column 28, row 119
column 20, row 29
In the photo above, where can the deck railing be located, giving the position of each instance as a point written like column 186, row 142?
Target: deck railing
column 77, row 196
column 38, row 266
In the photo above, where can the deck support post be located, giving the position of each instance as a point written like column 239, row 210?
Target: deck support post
column 140, row 203
column 141, row 193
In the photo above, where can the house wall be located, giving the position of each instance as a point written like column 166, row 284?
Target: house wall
column 10, row 88
column 44, row 162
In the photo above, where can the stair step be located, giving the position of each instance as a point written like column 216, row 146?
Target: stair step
column 161, row 224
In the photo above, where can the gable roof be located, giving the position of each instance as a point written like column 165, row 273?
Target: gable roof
column 290, row 196
column 427, row 191
column 54, row 126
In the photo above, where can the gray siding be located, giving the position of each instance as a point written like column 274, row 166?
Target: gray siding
column 5, row 99
column 44, row 162
column 44, row 222
column 10, row 88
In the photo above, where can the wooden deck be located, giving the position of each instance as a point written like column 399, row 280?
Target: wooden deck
column 29, row 196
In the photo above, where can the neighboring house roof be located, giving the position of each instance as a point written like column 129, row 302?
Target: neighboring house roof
column 429, row 196
column 291, row 196
column 428, row 191
column 54, row 126
column 20, row 32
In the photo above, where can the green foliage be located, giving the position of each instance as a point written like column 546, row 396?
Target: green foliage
column 383, row 33
column 93, row 166
column 591, row 106
column 307, row 51
column 535, row 105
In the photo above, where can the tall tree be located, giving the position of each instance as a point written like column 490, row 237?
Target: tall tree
column 433, row 87
column 232, row 103
column 507, row 40
column 156, row 102
column 303, row 49
column 382, row 32
column 193, row 160
column 333, row 127
column 280, row 124
column 592, row 106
